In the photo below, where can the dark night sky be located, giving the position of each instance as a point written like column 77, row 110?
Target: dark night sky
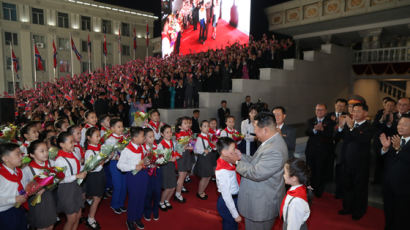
column 259, row 25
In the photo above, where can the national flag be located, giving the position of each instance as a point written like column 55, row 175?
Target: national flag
column 54, row 55
column 68, row 98
column 14, row 60
column 105, row 46
column 135, row 40
column 37, row 55
column 75, row 50
column 147, row 35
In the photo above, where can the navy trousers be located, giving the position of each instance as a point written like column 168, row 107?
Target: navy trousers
column 120, row 187
column 137, row 189
column 153, row 196
column 13, row 219
column 228, row 222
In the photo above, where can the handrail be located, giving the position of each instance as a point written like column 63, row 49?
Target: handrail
column 382, row 55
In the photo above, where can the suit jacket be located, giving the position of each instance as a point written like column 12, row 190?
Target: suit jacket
column 262, row 186
column 397, row 170
column 222, row 115
column 195, row 126
column 245, row 110
column 321, row 141
column 289, row 135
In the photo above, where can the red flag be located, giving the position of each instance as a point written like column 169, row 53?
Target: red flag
column 37, row 55
column 15, row 61
column 105, row 46
column 147, row 35
column 77, row 54
column 54, row 55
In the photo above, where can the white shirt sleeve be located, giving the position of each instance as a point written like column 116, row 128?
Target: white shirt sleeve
column 298, row 213
column 60, row 162
column 223, row 182
column 126, row 162
column 199, row 147
column 224, row 133
column 83, row 138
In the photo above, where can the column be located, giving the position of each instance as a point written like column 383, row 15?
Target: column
column 96, row 54
column 26, row 71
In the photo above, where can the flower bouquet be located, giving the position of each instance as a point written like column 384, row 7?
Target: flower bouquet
column 48, row 179
column 8, row 133
column 140, row 118
column 149, row 162
column 92, row 163
column 25, row 160
column 162, row 156
column 121, row 144
column 237, row 136
column 106, row 136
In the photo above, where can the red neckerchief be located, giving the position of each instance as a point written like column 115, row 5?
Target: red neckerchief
column 207, row 139
column 213, row 133
column 88, row 126
column 94, row 148
column 190, row 132
column 61, row 153
column 298, row 192
column 82, row 152
column 131, row 147
column 120, row 138
column 230, row 132
column 222, row 164
column 16, row 178
column 34, row 164
column 154, row 146
column 154, row 125
column 182, row 134
column 103, row 128
column 26, row 143
column 174, row 153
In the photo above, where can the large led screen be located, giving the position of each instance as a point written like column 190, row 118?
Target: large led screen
column 191, row 26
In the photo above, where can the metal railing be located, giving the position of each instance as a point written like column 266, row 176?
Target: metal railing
column 392, row 90
column 382, row 55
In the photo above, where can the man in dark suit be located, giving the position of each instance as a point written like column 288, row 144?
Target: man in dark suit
column 319, row 147
column 245, row 107
column 223, row 112
column 195, row 122
column 396, row 183
column 357, row 134
column 101, row 105
column 288, row 133
column 403, row 107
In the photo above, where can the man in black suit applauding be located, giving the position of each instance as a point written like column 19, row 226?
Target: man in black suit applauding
column 396, row 183
column 319, row 147
column 223, row 112
column 195, row 122
column 357, row 134
column 288, row 133
column 245, row 107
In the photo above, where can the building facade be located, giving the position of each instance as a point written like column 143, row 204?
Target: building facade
column 25, row 22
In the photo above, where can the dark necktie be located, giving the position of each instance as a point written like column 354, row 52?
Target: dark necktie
column 403, row 142
column 356, row 125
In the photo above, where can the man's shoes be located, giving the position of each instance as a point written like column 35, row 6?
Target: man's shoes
column 123, row 209
column 116, row 210
column 204, row 197
column 163, row 207
column 139, row 224
column 344, row 212
column 130, row 225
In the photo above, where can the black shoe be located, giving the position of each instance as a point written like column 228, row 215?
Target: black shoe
column 139, row 224
column 123, row 209
column 357, row 217
column 163, row 207
column 168, row 205
column 187, row 179
column 213, row 179
column 344, row 212
column 94, row 225
column 156, row 218
column 147, row 218
column 184, row 190
column 116, row 210
column 179, row 200
column 130, row 225
column 205, row 197
column 108, row 193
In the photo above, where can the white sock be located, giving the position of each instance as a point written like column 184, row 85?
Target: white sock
column 177, row 194
column 91, row 220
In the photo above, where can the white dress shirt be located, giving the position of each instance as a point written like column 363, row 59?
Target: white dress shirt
column 77, row 152
column 28, row 175
column 90, row 153
column 227, row 186
column 157, row 135
column 8, row 191
column 199, row 144
column 298, row 212
column 24, row 147
column 202, row 14
column 69, row 177
column 247, row 129
column 129, row 160
column 112, row 140
column 406, row 139
column 83, row 137
column 226, row 134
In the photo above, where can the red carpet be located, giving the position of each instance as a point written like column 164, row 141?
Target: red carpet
column 224, row 34
column 202, row 215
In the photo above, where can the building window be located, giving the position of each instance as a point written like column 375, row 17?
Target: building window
column 39, row 40
column 62, row 19
column 9, row 12
column 84, row 46
column 63, row 44
column 10, row 86
column 37, row 16
column 85, row 23
column 106, row 26
column 84, row 67
column 64, row 66
column 42, row 62
column 125, row 29
column 10, row 38
column 125, row 50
